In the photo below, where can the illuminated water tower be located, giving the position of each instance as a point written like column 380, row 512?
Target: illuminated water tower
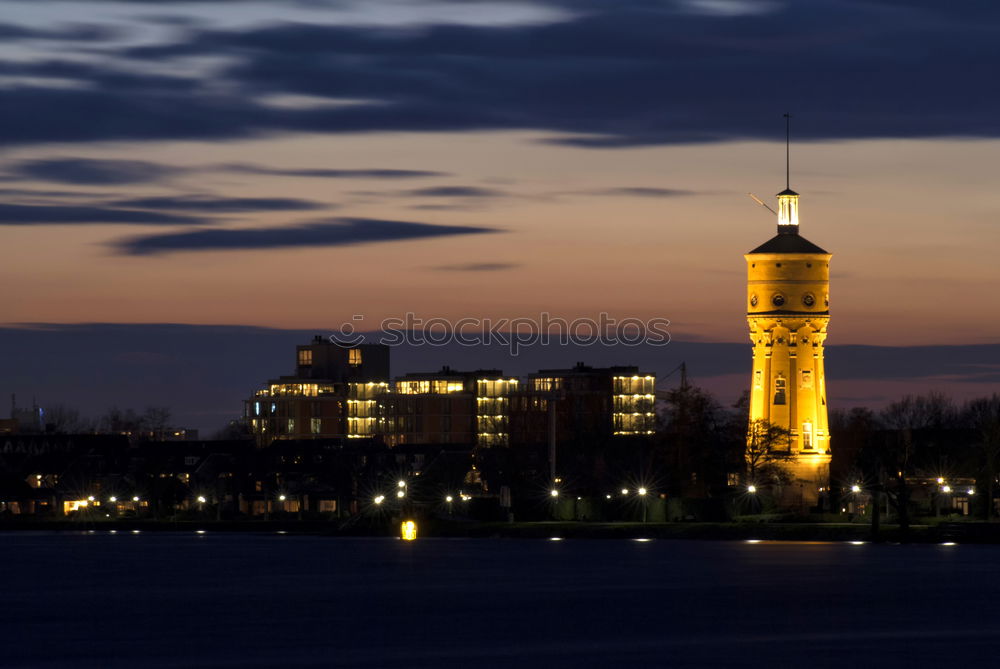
column 788, row 310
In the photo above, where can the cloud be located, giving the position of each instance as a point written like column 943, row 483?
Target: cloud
column 36, row 194
column 72, row 33
column 205, row 203
column 22, row 214
column 602, row 75
column 478, row 267
column 331, row 173
column 94, row 172
column 454, row 191
column 333, row 232
column 641, row 191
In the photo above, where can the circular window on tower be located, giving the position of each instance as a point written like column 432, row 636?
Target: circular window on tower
column 808, row 299
column 753, row 300
column 778, row 300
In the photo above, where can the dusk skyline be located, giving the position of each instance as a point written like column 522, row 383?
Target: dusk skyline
column 243, row 164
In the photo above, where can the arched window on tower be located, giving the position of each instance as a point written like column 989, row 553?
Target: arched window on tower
column 807, row 436
column 779, row 390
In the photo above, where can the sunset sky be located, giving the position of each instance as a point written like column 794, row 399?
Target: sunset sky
column 290, row 165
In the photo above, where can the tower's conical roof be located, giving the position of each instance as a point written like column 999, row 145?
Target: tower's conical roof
column 788, row 242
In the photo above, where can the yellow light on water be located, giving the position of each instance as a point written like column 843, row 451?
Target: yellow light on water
column 408, row 530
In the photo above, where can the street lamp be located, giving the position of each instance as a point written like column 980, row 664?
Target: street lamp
column 855, row 488
column 642, row 494
column 379, row 499
column 752, row 489
column 553, row 493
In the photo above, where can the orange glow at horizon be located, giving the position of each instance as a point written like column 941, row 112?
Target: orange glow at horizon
column 912, row 226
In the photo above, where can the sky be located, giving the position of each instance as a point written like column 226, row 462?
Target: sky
column 289, row 166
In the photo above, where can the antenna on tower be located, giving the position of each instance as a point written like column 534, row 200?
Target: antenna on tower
column 762, row 203
column 788, row 135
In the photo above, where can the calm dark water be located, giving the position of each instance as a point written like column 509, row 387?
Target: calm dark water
column 225, row 600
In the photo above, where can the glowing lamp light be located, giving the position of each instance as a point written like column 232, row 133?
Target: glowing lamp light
column 624, row 491
column 201, row 499
column 609, row 496
column 379, row 499
column 401, row 483
column 971, row 491
column 408, row 530
column 449, row 499
column 281, row 498
column 946, row 489
column 751, row 489
column 940, row 479
column 855, row 488
column 554, row 493
column 112, row 499
column 90, row 498
column 400, row 494
column 135, row 498
column 642, row 492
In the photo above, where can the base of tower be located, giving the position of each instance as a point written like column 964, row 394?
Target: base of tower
column 808, row 489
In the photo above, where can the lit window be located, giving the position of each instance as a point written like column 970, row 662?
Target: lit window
column 291, row 425
column 779, row 390
column 354, row 356
column 807, row 436
column 314, row 425
column 305, row 356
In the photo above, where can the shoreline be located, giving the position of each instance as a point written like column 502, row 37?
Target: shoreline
column 964, row 532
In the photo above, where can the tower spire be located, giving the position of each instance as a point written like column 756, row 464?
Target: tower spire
column 788, row 163
column 788, row 200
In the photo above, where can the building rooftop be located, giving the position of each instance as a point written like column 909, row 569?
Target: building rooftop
column 788, row 242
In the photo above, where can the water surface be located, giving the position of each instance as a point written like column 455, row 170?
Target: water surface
column 242, row 600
